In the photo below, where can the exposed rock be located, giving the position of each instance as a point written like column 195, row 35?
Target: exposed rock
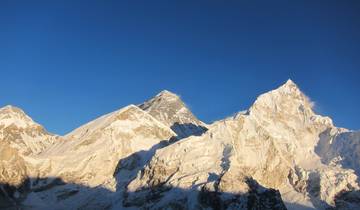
column 169, row 109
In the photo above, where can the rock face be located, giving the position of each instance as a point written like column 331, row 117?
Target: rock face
column 170, row 110
column 278, row 154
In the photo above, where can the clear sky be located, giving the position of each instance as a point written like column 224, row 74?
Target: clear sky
column 68, row 62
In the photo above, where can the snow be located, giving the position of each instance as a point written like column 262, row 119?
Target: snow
column 280, row 132
column 10, row 115
column 279, row 142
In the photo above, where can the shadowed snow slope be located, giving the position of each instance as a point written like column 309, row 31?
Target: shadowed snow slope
column 278, row 154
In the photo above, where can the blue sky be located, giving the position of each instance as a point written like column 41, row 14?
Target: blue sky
column 67, row 62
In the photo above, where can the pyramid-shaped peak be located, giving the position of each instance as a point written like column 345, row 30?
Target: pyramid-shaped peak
column 166, row 93
column 287, row 99
column 168, row 108
column 288, row 90
column 289, row 82
column 289, row 87
column 164, row 100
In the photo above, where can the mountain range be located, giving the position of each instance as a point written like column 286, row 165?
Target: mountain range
column 278, row 154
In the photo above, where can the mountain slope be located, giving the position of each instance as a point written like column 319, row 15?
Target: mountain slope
column 105, row 152
column 342, row 148
column 20, row 138
column 103, row 142
column 91, row 156
column 278, row 154
column 273, row 143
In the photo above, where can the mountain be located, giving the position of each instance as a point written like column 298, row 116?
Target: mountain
column 22, row 132
column 272, row 143
column 20, row 136
column 169, row 109
column 278, row 154
column 90, row 154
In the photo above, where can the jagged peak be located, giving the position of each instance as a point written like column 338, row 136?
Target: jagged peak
column 165, row 94
column 289, row 87
column 285, row 98
column 289, row 82
column 164, row 98
column 168, row 108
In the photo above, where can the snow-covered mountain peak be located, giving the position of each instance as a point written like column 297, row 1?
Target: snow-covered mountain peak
column 290, row 82
column 289, row 87
column 274, row 143
column 11, row 115
column 169, row 109
column 165, row 94
column 12, row 110
column 21, row 133
column 287, row 99
column 278, row 154
column 287, row 111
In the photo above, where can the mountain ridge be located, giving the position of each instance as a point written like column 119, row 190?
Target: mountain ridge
column 159, row 155
column 289, row 86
